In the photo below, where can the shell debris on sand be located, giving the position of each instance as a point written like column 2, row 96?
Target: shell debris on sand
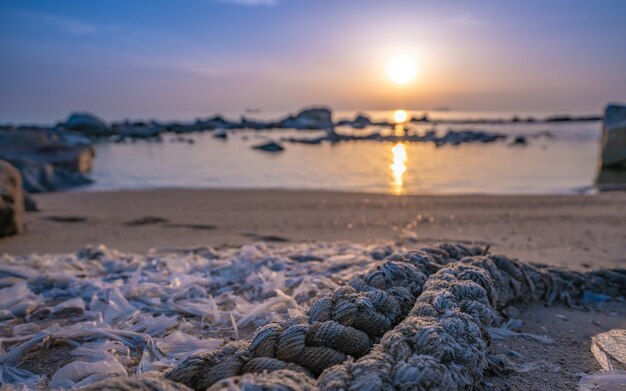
column 344, row 320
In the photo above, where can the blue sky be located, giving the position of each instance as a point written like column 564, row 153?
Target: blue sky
column 220, row 55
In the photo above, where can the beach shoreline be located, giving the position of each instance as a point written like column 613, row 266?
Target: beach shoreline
column 575, row 231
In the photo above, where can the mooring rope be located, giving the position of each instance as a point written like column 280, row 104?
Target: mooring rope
column 345, row 323
column 431, row 307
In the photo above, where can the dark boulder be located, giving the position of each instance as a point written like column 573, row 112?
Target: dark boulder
column 88, row 124
column 41, row 177
column 519, row 141
column 11, row 200
column 30, row 205
column 45, row 159
column 613, row 143
column 314, row 118
column 269, row 147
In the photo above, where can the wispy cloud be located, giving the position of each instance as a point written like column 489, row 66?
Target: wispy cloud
column 465, row 20
column 61, row 23
column 250, row 2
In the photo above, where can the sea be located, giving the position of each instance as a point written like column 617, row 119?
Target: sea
column 559, row 157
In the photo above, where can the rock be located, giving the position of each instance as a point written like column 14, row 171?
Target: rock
column 256, row 125
column 47, row 162
column 41, row 177
column 519, row 141
column 87, row 123
column 359, row 122
column 11, row 200
column 269, row 147
column 45, row 146
column 140, row 131
column 613, row 143
column 30, row 205
column 423, row 118
column 314, row 118
column 468, row 136
column 609, row 179
column 570, row 118
column 71, row 158
column 220, row 133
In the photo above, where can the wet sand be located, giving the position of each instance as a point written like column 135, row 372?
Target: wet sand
column 574, row 231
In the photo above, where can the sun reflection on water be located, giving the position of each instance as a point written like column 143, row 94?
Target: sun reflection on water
column 398, row 168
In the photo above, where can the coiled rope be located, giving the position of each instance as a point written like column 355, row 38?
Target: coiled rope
column 431, row 307
column 345, row 323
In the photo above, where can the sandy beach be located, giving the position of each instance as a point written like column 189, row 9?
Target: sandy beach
column 573, row 231
column 184, row 227
column 313, row 196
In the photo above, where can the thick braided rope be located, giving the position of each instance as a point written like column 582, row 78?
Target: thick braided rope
column 442, row 344
column 345, row 323
column 144, row 382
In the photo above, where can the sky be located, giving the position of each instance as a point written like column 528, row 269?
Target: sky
column 133, row 56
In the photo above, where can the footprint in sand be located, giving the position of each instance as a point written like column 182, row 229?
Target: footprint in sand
column 152, row 220
column 146, row 220
column 201, row 227
column 265, row 238
column 66, row 219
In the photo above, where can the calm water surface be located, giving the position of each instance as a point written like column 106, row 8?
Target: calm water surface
column 563, row 163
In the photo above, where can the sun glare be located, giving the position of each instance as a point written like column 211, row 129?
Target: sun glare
column 402, row 70
column 400, row 116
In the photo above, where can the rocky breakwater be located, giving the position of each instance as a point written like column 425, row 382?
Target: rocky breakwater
column 612, row 165
column 11, row 200
column 48, row 159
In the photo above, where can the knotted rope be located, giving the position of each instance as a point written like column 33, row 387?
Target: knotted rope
column 442, row 344
column 345, row 323
column 144, row 382
column 432, row 308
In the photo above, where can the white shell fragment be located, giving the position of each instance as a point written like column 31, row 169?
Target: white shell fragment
column 609, row 349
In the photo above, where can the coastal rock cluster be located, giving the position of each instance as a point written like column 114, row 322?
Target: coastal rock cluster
column 299, row 317
column 58, row 157
column 48, row 159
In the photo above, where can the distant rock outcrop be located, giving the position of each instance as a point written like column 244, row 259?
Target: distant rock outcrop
column 270, row 147
column 314, row 118
column 88, row 124
column 11, row 200
column 359, row 122
column 220, row 133
column 613, row 144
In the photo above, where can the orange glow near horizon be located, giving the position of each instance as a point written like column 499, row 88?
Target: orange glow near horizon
column 398, row 168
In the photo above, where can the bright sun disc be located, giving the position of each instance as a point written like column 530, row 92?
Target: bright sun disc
column 400, row 116
column 402, row 70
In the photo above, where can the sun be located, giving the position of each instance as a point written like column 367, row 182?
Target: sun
column 402, row 69
column 400, row 116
